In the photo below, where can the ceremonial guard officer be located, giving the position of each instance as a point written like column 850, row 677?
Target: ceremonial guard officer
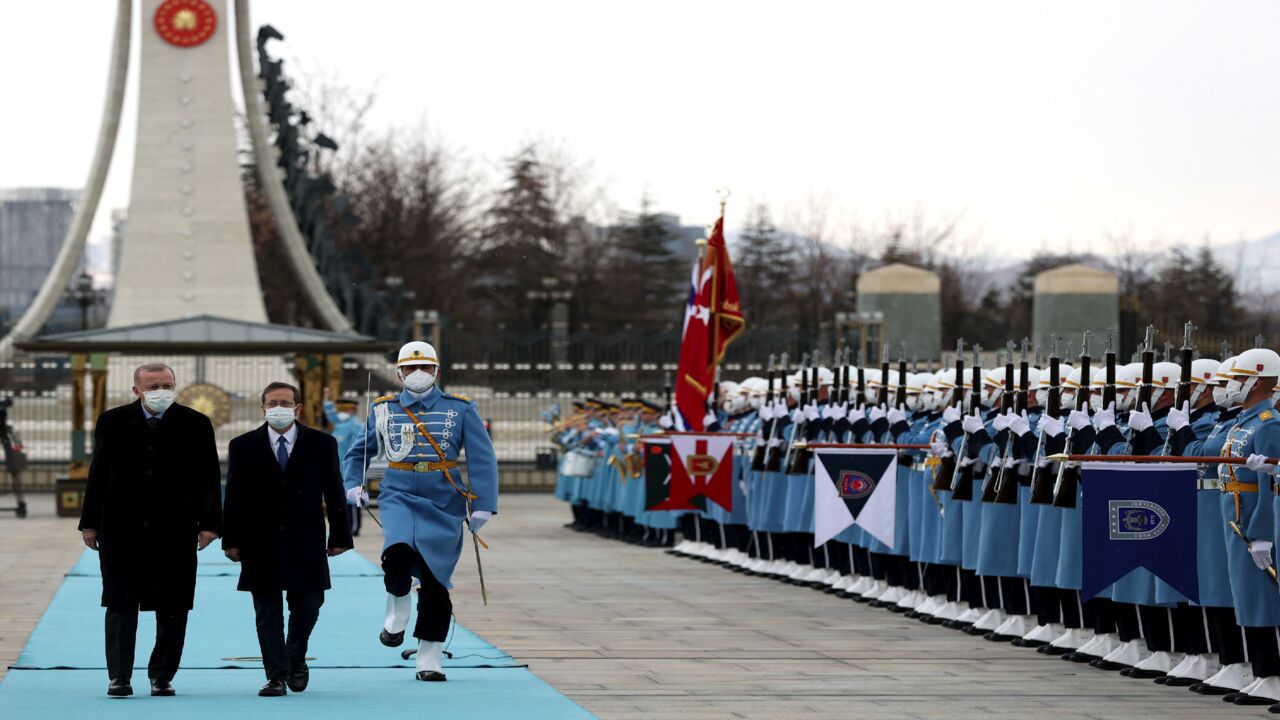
column 424, row 499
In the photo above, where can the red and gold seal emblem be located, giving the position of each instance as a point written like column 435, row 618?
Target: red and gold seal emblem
column 185, row 23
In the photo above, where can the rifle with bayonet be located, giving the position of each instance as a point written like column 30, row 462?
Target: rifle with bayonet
column 947, row 470
column 1064, row 495
column 766, row 428
column 1007, row 487
column 962, row 484
column 1183, row 397
column 1041, row 490
column 772, row 457
column 1006, row 404
column 1148, row 370
column 802, row 422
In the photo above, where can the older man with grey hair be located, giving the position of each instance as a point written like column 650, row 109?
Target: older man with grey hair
column 153, row 499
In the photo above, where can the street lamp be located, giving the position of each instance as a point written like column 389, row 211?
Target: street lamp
column 85, row 296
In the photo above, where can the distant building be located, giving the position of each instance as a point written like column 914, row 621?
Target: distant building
column 33, row 223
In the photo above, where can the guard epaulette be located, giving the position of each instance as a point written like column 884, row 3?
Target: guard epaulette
column 1266, row 415
column 458, row 396
column 384, row 398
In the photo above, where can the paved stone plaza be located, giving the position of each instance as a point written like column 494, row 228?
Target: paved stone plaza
column 636, row 633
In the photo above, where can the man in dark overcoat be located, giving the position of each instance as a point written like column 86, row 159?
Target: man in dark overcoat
column 282, row 480
column 152, row 500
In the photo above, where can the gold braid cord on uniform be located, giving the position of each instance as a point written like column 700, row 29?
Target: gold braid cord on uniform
column 439, row 453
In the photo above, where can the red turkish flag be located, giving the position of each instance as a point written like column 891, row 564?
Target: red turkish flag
column 713, row 319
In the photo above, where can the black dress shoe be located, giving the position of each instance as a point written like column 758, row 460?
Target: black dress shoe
column 1078, row 657
column 1274, row 708
column 298, row 678
column 1107, row 665
column 1207, row 689
column 119, row 687
column 1171, row 681
column 391, row 639
column 1231, row 696
column 430, row 676
column 1142, row 674
column 1161, row 680
column 161, row 688
column 996, row 637
column 274, row 688
column 1254, row 700
column 1052, row 649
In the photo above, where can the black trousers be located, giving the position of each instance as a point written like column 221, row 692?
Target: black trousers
column 281, row 654
column 399, row 564
column 122, row 635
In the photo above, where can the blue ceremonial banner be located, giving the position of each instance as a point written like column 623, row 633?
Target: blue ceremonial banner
column 1137, row 515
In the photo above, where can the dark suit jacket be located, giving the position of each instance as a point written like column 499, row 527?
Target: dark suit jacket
column 149, row 494
column 276, row 519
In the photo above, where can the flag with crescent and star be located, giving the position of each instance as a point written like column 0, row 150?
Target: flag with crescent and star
column 854, row 485
column 713, row 319
column 701, row 469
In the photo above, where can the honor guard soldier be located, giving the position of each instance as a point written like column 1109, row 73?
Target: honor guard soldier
column 424, row 500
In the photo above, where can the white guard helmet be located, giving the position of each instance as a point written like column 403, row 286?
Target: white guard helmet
column 943, row 385
column 1097, row 383
column 993, row 386
column 1220, row 377
column 754, row 389
column 1246, row 368
column 1042, row 385
column 1203, row 377
column 1128, row 379
column 1165, row 377
column 916, row 399
column 417, row 353
column 729, row 396
column 871, row 378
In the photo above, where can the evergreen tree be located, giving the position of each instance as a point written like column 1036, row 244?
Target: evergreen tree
column 523, row 241
column 764, row 264
column 646, row 278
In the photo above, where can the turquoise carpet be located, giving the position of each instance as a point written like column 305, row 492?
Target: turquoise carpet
column 62, row 671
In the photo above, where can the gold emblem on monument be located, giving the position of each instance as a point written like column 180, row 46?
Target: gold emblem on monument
column 211, row 400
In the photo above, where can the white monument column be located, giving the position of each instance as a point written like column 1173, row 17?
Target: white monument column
column 187, row 249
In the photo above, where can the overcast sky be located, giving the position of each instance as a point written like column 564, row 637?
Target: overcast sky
column 1045, row 124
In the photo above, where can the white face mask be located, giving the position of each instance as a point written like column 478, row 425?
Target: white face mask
column 1095, row 401
column 344, row 416
column 1042, row 397
column 158, row 400
column 419, row 381
column 281, row 417
column 1220, row 397
column 1238, row 390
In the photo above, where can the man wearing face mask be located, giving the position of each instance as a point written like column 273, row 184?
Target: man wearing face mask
column 152, row 500
column 282, row 481
column 423, row 498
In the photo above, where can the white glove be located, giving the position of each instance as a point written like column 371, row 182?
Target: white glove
column 896, row 415
column 951, row 414
column 875, row 413
column 1140, row 420
column 840, row 412
column 1104, row 419
column 940, row 448
column 973, row 423
column 478, row 519
column 766, row 412
column 1178, row 418
column 967, row 461
column 1079, row 419
column 358, row 496
column 1001, row 421
column 779, row 408
column 811, row 412
column 1020, row 424
column 1052, row 426
column 797, row 415
column 1259, row 464
column 1260, row 550
column 664, row 422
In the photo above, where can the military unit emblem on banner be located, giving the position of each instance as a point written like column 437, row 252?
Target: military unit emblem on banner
column 1136, row 519
column 853, row 485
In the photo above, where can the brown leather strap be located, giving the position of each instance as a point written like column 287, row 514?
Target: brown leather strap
column 439, row 453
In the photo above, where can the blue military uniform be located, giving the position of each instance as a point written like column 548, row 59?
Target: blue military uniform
column 422, row 505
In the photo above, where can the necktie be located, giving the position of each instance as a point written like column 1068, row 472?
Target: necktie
column 282, row 455
column 153, row 422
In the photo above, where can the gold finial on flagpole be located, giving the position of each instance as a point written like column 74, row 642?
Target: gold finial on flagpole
column 724, row 194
